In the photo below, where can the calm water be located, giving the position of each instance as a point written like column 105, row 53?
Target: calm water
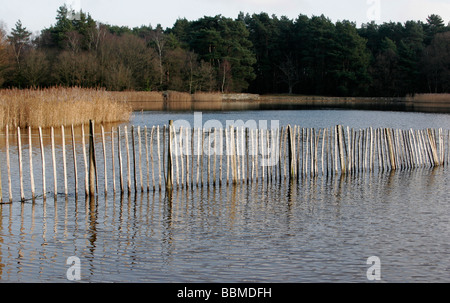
column 314, row 230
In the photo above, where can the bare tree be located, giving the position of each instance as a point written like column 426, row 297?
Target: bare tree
column 35, row 67
column 158, row 38
column 290, row 74
column 19, row 40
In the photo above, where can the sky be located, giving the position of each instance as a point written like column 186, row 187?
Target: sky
column 37, row 15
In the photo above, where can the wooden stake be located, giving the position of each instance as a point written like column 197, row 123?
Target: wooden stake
column 119, row 152
column 141, row 178
column 92, row 161
column 174, row 142
column 221, row 155
column 44, row 189
column 33, row 192
column 19, row 143
column 159, row 157
column 104, row 159
column 113, row 158
column 169, row 179
column 86, row 168
column 133, row 143
column 55, row 179
column 127, row 146
column 63, row 140
column 74, row 154
column 151, row 158
column 146, row 158
column 199, row 153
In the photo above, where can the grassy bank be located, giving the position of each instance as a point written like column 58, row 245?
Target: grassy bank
column 59, row 106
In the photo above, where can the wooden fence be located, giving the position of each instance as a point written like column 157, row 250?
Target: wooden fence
column 162, row 158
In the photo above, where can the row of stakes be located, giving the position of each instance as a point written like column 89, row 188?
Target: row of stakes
column 288, row 153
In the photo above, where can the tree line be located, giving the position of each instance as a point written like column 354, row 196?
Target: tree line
column 254, row 53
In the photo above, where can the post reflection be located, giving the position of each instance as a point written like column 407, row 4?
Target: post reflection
column 145, row 234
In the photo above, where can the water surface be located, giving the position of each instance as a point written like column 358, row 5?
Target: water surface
column 319, row 229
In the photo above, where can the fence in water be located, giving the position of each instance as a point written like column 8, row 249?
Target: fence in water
column 162, row 158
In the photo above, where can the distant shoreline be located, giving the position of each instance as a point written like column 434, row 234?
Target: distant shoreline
column 143, row 101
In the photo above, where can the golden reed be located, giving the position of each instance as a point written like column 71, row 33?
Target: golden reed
column 59, row 106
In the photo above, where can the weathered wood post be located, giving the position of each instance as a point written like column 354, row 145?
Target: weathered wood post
column 92, row 162
column 19, row 151
column 169, row 176
column 63, row 139
column 290, row 153
column 8, row 164
column 55, row 176
column 44, row 189
column 33, row 194
column 74, row 161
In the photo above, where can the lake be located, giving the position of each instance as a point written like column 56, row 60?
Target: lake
column 320, row 229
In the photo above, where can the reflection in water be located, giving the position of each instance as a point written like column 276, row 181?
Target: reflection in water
column 313, row 229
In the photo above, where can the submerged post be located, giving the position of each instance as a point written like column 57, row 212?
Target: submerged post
column 92, row 164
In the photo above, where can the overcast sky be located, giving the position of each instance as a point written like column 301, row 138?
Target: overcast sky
column 37, row 15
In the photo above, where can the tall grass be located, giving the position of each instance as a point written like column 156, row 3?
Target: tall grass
column 59, row 106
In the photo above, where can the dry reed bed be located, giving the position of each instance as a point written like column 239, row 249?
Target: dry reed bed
column 430, row 98
column 59, row 106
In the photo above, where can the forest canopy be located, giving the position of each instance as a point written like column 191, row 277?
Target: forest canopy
column 255, row 53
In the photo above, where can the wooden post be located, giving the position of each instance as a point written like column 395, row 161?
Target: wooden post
column 113, row 159
column 227, row 145
column 8, row 164
column 19, row 143
column 280, row 152
column 256, row 156
column 192, row 156
column 44, row 189
column 243, row 154
column 127, row 146
column 63, row 141
column 151, row 158
column 175, row 145
column 181, row 156
column 55, row 178
column 391, row 149
column 104, row 159
column 290, row 154
column 75, row 161
column 233, row 155
column 119, row 151
column 169, row 179
column 141, row 182
column 164, row 151
column 202, row 156
column 92, row 162
column 86, row 168
column 238, row 151
column 133, row 142
column 215, row 156
column 33, row 193
column 187, row 157
column 221, row 155
column 146, row 158
column 159, row 157
column 341, row 143
column 247, row 151
column 198, row 154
